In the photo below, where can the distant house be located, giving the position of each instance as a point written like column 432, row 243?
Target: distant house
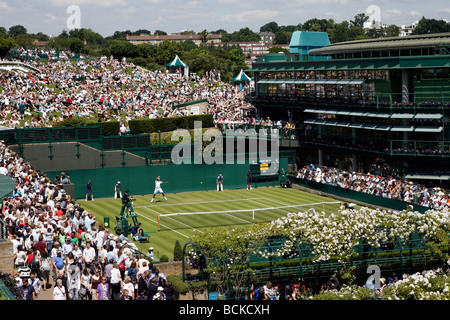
column 267, row 37
column 254, row 49
column 158, row 39
column 38, row 43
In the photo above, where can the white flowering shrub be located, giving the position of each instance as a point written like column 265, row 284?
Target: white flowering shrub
column 337, row 234
column 428, row 285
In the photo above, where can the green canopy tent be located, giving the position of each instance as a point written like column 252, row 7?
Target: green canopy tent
column 178, row 66
column 241, row 77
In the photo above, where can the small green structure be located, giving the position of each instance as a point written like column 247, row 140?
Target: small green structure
column 123, row 225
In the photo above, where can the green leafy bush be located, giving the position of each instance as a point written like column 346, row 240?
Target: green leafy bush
column 140, row 126
column 164, row 258
column 177, row 251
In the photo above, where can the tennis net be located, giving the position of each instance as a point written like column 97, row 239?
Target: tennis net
column 208, row 219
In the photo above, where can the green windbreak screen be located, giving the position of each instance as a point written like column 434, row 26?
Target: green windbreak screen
column 7, row 185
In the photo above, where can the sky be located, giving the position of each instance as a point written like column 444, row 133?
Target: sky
column 172, row 16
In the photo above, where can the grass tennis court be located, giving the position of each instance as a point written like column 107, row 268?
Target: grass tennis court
column 237, row 207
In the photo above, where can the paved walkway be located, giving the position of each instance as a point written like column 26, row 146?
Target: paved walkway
column 47, row 294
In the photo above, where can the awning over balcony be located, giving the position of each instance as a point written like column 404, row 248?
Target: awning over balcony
column 424, row 176
column 402, row 129
column 428, row 116
column 402, row 116
column 312, row 81
column 428, row 129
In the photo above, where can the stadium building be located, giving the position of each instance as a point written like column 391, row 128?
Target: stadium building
column 361, row 104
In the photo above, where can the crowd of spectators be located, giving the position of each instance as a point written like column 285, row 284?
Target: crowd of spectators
column 54, row 238
column 383, row 186
column 111, row 89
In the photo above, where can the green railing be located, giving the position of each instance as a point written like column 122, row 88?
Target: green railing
column 420, row 148
column 40, row 135
column 4, row 292
column 377, row 101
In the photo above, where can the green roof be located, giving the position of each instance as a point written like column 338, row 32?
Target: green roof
column 309, row 39
column 408, row 42
column 176, row 63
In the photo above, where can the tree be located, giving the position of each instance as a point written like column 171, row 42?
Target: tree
column 359, row 20
column 141, row 31
column 204, row 36
column 3, row 32
column 177, row 251
column 123, row 49
column 76, row 45
column 270, row 27
column 228, row 252
column 14, row 31
column 427, row 26
column 244, row 35
column 167, row 51
column 160, row 33
column 278, row 50
column 189, row 45
column 283, row 37
column 6, row 45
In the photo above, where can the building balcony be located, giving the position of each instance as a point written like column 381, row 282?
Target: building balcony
column 391, row 102
column 410, row 148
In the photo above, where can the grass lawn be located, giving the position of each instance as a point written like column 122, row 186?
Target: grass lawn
column 182, row 227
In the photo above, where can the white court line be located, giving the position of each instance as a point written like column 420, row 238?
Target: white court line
column 164, row 225
column 180, row 204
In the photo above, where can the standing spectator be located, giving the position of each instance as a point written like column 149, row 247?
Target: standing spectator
column 95, row 281
column 169, row 291
column 36, row 283
column 73, row 281
column 45, row 269
column 86, row 283
column 103, row 290
column 28, row 290
column 152, row 288
column 128, row 287
column 249, row 180
column 89, row 193
column 59, row 291
column 40, row 245
column 219, row 182
column 115, row 282
column 132, row 271
column 143, row 284
column 88, row 255
column 118, row 190
column 160, row 294
column 58, row 263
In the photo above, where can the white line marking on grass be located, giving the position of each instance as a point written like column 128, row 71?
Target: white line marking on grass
column 164, row 226
column 249, row 222
column 189, row 227
column 181, row 204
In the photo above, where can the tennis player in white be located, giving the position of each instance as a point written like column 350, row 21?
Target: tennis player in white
column 158, row 188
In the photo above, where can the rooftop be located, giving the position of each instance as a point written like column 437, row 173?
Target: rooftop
column 409, row 42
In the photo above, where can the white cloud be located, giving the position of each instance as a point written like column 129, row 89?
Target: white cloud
column 250, row 16
column 444, row 10
column 414, row 13
column 89, row 3
column 394, row 12
column 5, row 8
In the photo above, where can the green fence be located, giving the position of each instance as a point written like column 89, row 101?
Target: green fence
column 139, row 180
column 357, row 196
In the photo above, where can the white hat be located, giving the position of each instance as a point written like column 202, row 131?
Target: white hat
column 150, row 249
column 160, row 288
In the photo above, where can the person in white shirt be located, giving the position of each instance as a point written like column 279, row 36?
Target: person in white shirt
column 158, row 188
column 88, row 254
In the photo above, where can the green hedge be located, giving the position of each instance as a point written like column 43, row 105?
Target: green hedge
column 109, row 128
column 141, row 126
